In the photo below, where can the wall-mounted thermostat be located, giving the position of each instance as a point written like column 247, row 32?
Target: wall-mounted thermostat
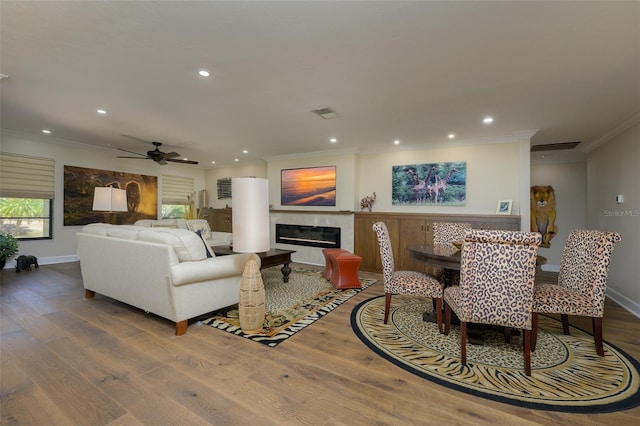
column 619, row 199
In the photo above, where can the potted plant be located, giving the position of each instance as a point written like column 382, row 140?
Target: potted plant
column 8, row 247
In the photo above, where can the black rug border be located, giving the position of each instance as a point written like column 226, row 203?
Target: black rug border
column 631, row 402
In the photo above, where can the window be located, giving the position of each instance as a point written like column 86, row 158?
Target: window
column 26, row 196
column 176, row 193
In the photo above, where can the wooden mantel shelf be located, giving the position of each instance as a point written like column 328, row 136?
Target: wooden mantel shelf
column 342, row 212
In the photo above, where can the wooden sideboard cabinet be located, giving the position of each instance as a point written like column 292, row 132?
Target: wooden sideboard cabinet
column 219, row 219
column 406, row 229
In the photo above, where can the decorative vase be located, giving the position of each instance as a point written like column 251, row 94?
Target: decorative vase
column 251, row 304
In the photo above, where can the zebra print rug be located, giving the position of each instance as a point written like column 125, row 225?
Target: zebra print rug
column 289, row 307
column 567, row 374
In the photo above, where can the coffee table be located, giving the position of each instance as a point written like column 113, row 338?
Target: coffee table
column 273, row 257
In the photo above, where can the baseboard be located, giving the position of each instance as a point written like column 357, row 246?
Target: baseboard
column 550, row 268
column 11, row 264
column 624, row 301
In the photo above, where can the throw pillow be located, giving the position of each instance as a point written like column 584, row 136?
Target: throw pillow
column 208, row 249
column 201, row 225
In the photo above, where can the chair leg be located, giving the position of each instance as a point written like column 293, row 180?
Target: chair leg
column 463, row 343
column 527, row 352
column 447, row 318
column 439, row 313
column 534, row 330
column 387, row 306
column 597, row 334
column 507, row 334
column 565, row 324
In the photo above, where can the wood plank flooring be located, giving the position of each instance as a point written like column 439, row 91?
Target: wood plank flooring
column 66, row 360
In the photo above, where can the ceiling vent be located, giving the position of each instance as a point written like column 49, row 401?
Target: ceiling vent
column 326, row 113
column 554, row 146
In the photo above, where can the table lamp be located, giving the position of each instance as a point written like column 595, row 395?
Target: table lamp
column 250, row 218
column 107, row 199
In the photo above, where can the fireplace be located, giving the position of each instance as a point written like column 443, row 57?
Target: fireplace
column 310, row 236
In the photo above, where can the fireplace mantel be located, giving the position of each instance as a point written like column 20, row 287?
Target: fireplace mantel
column 311, row 211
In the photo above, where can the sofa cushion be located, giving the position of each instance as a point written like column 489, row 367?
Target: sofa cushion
column 96, row 228
column 186, row 244
column 153, row 223
column 201, row 225
column 126, row 232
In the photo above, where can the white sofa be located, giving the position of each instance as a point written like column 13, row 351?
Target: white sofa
column 214, row 238
column 164, row 271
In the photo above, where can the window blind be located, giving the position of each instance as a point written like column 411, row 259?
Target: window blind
column 23, row 176
column 175, row 189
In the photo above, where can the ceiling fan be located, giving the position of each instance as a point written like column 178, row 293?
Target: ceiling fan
column 158, row 156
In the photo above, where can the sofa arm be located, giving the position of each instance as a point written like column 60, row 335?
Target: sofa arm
column 220, row 238
column 209, row 269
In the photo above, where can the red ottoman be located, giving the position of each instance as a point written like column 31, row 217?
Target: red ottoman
column 345, row 270
column 327, row 263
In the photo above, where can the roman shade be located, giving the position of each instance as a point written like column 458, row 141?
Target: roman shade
column 23, row 176
column 176, row 189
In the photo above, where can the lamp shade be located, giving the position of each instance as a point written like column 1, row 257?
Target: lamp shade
column 250, row 202
column 107, row 199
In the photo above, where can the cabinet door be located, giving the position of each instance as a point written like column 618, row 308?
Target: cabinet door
column 222, row 220
column 366, row 241
column 412, row 232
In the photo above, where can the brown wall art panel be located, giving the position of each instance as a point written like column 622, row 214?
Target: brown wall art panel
column 79, row 184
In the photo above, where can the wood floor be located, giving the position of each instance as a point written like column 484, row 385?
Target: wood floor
column 65, row 360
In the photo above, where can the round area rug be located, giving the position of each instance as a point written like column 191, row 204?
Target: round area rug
column 567, row 374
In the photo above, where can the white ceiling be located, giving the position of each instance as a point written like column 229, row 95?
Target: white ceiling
column 412, row 71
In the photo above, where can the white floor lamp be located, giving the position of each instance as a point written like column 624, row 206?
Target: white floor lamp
column 250, row 202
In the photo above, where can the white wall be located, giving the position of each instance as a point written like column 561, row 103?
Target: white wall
column 345, row 178
column 62, row 247
column 493, row 173
column 257, row 169
column 612, row 169
column 569, row 181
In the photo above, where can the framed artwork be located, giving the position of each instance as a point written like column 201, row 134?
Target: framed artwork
column 504, row 207
column 429, row 184
column 310, row 186
column 79, row 184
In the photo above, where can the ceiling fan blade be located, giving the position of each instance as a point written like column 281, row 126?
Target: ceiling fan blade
column 135, row 139
column 135, row 158
column 171, row 155
column 131, row 152
column 161, row 162
column 182, row 161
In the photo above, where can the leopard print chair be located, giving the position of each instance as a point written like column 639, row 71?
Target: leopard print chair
column 582, row 282
column 404, row 282
column 497, row 274
column 447, row 232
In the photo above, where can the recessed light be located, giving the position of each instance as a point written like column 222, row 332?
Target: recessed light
column 451, row 136
column 333, row 140
column 46, row 131
column 488, row 120
column 244, row 151
column 235, row 159
column 396, row 142
column 204, row 73
column 101, row 111
column 213, row 162
column 185, row 159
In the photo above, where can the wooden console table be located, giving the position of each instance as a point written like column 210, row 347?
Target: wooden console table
column 273, row 257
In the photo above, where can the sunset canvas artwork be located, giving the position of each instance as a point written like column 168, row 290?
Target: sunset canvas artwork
column 313, row 186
